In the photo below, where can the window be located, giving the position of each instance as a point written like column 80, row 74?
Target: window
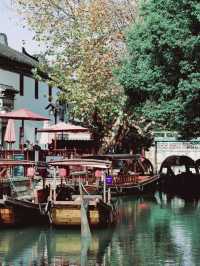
column 21, row 84
column 35, row 134
column 36, row 89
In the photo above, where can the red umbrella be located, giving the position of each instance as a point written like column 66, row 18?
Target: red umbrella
column 23, row 114
column 64, row 127
column 10, row 132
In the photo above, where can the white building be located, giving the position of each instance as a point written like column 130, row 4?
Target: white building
column 19, row 89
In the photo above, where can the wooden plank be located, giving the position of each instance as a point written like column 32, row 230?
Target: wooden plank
column 73, row 203
column 66, row 216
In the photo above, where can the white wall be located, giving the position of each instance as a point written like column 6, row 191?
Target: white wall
column 9, row 78
column 162, row 149
column 28, row 101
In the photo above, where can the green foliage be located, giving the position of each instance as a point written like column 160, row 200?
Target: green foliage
column 83, row 41
column 161, row 73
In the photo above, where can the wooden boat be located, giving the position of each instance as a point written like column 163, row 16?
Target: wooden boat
column 129, row 174
column 17, row 178
column 197, row 163
column 16, row 204
column 14, row 212
column 180, row 175
column 67, row 211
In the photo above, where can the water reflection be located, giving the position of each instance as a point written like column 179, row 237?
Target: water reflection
column 160, row 230
column 33, row 246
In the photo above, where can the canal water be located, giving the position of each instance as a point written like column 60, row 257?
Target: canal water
column 156, row 230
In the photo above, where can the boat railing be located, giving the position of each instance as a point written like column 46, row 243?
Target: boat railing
column 71, row 180
column 92, row 180
column 14, row 179
column 122, row 179
column 130, row 178
column 42, row 154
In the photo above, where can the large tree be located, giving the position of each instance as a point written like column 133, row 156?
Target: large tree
column 161, row 71
column 84, row 41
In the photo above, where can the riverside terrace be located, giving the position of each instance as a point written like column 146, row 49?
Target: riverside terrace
column 73, row 149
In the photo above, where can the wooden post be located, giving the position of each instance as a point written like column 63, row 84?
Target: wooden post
column 104, row 188
column 109, row 196
column 54, row 184
column 55, row 141
column 35, row 135
column 156, row 162
column 85, row 229
column 22, row 135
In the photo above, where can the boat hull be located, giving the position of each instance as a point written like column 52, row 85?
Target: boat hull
column 145, row 185
column 18, row 212
column 68, row 214
column 125, row 186
column 184, row 184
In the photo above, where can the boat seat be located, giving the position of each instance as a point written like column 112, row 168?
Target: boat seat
column 90, row 197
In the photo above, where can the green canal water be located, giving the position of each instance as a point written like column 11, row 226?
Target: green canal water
column 155, row 230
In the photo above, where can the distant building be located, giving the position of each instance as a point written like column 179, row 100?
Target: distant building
column 167, row 143
column 19, row 89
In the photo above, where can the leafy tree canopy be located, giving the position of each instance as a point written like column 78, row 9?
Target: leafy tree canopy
column 161, row 72
column 84, row 41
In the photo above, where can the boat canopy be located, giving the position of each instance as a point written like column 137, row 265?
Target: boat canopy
column 118, row 159
column 82, row 162
column 114, row 156
column 7, row 162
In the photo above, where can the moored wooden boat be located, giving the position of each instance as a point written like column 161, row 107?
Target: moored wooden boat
column 180, row 175
column 17, row 178
column 129, row 174
column 137, row 184
column 17, row 206
column 21, row 212
column 67, row 213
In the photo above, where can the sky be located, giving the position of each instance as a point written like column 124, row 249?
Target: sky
column 11, row 24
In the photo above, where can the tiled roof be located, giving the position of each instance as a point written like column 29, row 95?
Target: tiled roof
column 15, row 56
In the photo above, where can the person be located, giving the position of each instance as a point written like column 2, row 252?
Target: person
column 24, row 146
column 36, row 147
column 27, row 145
column 36, row 151
column 51, row 145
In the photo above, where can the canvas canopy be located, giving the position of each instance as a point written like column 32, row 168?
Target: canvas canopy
column 63, row 127
column 84, row 162
column 24, row 114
